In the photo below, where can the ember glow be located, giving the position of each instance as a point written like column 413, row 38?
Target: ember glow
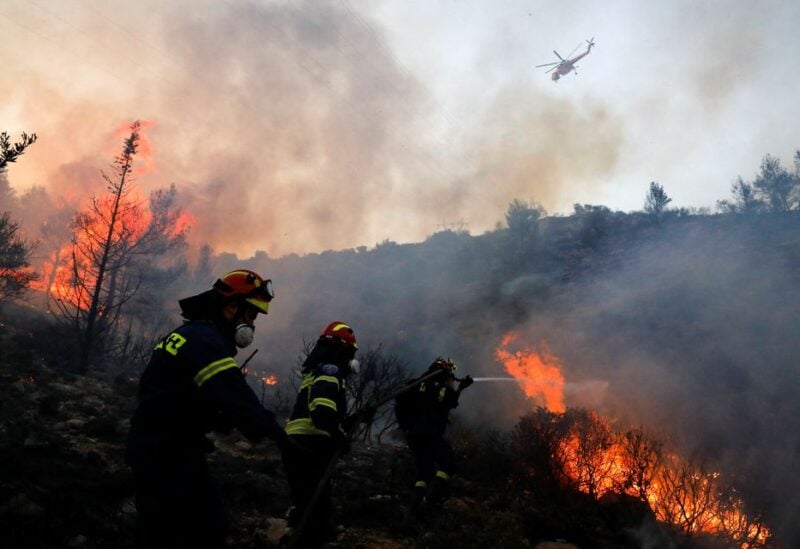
column 270, row 379
column 538, row 374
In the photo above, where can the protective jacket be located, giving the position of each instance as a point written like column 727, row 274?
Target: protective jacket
column 429, row 407
column 191, row 382
column 321, row 403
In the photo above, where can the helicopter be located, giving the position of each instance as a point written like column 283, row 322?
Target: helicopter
column 564, row 66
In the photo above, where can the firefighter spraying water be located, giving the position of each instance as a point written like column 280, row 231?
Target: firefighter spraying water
column 422, row 414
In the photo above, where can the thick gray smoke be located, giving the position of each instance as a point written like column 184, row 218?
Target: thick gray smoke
column 686, row 329
column 286, row 127
column 296, row 127
column 694, row 331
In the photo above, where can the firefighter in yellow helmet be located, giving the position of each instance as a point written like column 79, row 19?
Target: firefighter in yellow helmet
column 191, row 383
column 315, row 426
column 422, row 414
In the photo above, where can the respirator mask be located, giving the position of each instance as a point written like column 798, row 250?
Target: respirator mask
column 354, row 365
column 243, row 336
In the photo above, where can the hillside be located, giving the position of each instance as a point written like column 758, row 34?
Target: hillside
column 683, row 326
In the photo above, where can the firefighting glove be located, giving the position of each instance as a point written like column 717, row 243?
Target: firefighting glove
column 466, row 382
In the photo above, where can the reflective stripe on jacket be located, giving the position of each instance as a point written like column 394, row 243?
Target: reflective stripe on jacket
column 321, row 403
column 191, row 381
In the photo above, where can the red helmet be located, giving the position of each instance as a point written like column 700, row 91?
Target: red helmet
column 341, row 332
column 247, row 285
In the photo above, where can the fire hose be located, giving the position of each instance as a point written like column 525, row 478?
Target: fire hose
column 351, row 420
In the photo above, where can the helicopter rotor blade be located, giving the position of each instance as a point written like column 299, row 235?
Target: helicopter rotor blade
column 550, row 69
column 555, row 52
column 547, row 64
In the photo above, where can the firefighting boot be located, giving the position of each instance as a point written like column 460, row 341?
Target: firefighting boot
column 440, row 488
column 420, row 489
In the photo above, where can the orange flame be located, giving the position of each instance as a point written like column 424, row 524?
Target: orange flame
column 182, row 224
column 539, row 374
column 270, row 380
column 597, row 460
column 57, row 275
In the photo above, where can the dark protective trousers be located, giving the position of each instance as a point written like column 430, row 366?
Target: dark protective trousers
column 432, row 454
column 304, row 469
column 178, row 504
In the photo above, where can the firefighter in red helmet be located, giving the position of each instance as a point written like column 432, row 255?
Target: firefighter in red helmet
column 315, row 426
column 192, row 383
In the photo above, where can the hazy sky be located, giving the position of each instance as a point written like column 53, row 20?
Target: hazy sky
column 303, row 126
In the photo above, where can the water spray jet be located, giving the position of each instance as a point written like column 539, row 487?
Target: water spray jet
column 517, row 379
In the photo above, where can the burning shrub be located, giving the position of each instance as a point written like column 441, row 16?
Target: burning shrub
column 584, row 453
column 577, row 450
column 535, row 441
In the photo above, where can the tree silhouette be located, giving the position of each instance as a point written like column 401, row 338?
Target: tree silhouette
column 744, row 199
column 775, row 189
column 583, row 452
column 538, row 440
column 9, row 152
column 379, row 377
column 522, row 219
column 15, row 275
column 640, row 456
column 656, row 201
column 110, row 256
column 776, row 186
column 688, row 495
